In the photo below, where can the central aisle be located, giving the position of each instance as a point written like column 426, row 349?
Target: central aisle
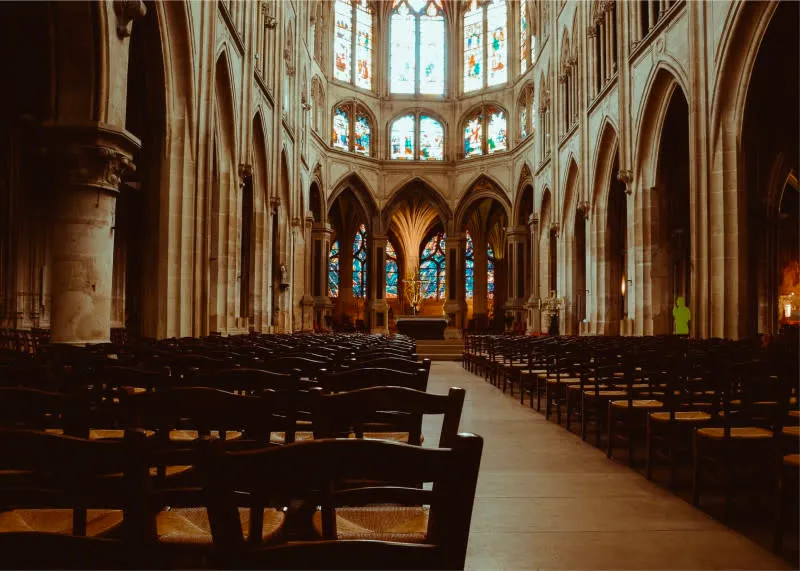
column 546, row 500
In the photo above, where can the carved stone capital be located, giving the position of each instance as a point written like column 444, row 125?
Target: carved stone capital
column 555, row 229
column 245, row 173
column 608, row 5
column 591, row 32
column 562, row 78
column 127, row 11
column 274, row 204
column 626, row 177
column 533, row 219
column 96, row 156
column 583, row 209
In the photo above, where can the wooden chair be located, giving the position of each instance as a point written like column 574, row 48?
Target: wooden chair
column 67, row 485
column 364, row 378
column 313, row 469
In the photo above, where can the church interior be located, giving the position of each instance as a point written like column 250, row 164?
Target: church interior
column 542, row 256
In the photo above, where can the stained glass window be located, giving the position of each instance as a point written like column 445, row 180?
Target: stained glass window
column 402, row 138
column 341, row 128
column 497, row 18
column 353, row 22
column 333, row 270
column 523, row 122
column 473, row 49
column 343, row 41
column 360, row 263
column 432, row 268
column 524, row 34
column 485, row 44
column 469, row 272
column 473, row 136
column 362, row 135
column 363, row 45
column 431, row 139
column 496, row 133
column 488, row 119
column 417, row 46
column 490, row 281
column 391, row 271
column 347, row 135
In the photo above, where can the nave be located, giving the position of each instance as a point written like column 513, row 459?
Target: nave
column 547, row 500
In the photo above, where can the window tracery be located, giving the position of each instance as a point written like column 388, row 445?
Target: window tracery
column 416, row 136
column 353, row 37
column 603, row 41
column 352, row 128
column 488, row 119
column 417, row 47
column 485, row 27
column 527, row 35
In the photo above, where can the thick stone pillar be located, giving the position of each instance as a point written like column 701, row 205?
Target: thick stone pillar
column 378, row 306
column 308, row 300
column 320, row 250
column 456, row 305
column 90, row 161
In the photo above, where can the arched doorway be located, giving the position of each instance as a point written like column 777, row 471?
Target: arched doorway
column 671, row 270
column 770, row 158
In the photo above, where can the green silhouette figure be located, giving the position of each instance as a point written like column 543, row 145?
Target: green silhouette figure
column 682, row 316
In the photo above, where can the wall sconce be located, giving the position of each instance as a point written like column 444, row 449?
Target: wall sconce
column 623, row 286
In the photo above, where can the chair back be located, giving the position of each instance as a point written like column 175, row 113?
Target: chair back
column 311, row 470
column 373, row 377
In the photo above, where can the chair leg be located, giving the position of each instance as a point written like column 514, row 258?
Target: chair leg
column 696, row 477
column 569, row 409
column 649, row 447
column 548, row 405
column 610, row 433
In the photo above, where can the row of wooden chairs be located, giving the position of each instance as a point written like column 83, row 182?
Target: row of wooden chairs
column 728, row 409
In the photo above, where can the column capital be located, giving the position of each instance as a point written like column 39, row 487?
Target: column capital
column 583, row 209
column 92, row 155
column 245, row 173
column 626, row 177
column 533, row 218
column 555, row 229
column 127, row 11
column 516, row 233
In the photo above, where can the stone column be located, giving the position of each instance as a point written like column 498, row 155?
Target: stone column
column 534, row 317
column 90, row 161
column 378, row 306
column 308, row 300
column 456, row 305
column 320, row 250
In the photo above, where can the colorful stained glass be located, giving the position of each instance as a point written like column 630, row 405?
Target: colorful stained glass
column 402, row 138
column 496, row 22
column 360, row 262
column 473, row 136
column 343, row 41
column 340, row 138
column 469, row 272
column 523, row 120
column 403, row 58
column 496, row 131
column 431, row 139
column 432, row 268
column 391, row 271
column 431, row 52
column 362, row 135
column 473, row 49
column 523, row 35
column 363, row 45
column 333, row 270
column 490, row 271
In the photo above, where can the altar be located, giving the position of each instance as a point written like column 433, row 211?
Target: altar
column 422, row 327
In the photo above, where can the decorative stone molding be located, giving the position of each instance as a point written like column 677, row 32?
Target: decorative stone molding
column 584, row 208
column 274, row 204
column 533, row 219
column 288, row 50
column 626, row 177
column 591, row 32
column 97, row 156
column 608, row 5
column 127, row 11
column 245, row 173
column 555, row 229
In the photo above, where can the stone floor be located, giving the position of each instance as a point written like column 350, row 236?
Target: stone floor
column 547, row 500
